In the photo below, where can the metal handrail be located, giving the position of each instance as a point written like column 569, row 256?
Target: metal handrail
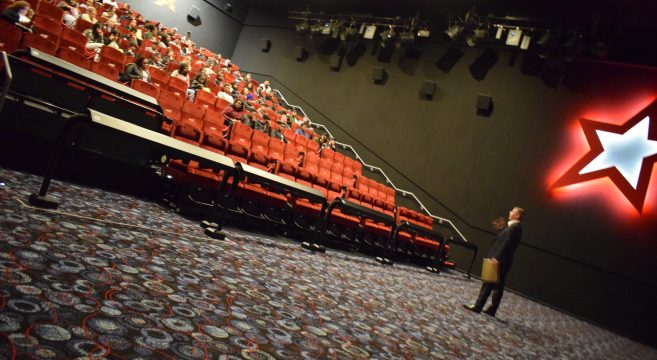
column 8, row 78
column 373, row 168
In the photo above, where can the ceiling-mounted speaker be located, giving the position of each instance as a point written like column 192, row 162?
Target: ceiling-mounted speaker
column 194, row 14
column 484, row 105
column 265, row 45
column 428, row 89
column 300, row 53
column 379, row 75
column 335, row 62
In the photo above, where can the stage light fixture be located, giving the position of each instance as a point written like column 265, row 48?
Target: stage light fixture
column 303, row 28
column 370, row 31
column 405, row 38
column 513, row 38
column 526, row 41
column 476, row 36
column 499, row 33
column 453, row 32
column 348, row 34
column 424, row 33
column 386, row 36
column 316, row 29
column 327, row 28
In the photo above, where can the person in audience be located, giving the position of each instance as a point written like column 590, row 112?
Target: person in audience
column 113, row 40
column 131, row 51
column 86, row 4
column 17, row 14
column 504, row 246
column 237, row 112
column 264, row 88
column 137, row 70
column 95, row 37
column 90, row 15
column 113, row 3
column 156, row 60
column 110, row 15
column 226, row 94
column 132, row 37
column 247, row 94
column 182, row 72
column 303, row 131
column 168, row 57
column 199, row 83
column 149, row 34
column 71, row 12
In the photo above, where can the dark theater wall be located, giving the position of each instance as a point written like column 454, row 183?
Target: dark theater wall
column 583, row 252
column 218, row 30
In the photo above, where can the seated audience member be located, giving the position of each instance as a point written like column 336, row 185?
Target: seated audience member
column 168, row 57
column 198, row 84
column 71, row 12
column 113, row 40
column 150, row 32
column 237, row 112
column 156, row 60
column 113, row 3
column 131, row 36
column 226, row 94
column 17, row 14
column 182, row 72
column 111, row 17
column 131, row 51
column 247, row 94
column 264, row 88
column 137, row 70
column 303, row 131
column 90, row 15
column 95, row 37
column 86, row 4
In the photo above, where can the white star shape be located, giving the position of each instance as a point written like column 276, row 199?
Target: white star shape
column 624, row 151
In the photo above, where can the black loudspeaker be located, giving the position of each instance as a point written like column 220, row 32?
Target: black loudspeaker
column 229, row 7
column 484, row 105
column 265, row 45
column 300, row 53
column 428, row 89
column 194, row 14
column 379, row 75
column 335, row 62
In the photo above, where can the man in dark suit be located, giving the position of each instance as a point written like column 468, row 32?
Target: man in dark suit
column 505, row 245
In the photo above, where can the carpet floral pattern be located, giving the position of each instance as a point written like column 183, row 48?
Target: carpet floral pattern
column 111, row 276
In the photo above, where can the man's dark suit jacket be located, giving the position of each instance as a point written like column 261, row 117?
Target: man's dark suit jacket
column 505, row 245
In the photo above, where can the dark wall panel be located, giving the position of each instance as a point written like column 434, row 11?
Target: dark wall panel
column 218, row 30
column 581, row 253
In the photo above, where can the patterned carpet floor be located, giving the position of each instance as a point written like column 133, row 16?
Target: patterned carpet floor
column 111, row 276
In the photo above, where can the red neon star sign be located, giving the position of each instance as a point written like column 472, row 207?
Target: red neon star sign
column 623, row 153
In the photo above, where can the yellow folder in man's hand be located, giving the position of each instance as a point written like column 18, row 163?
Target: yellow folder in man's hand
column 490, row 271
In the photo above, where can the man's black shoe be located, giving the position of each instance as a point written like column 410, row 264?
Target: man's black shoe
column 471, row 308
column 489, row 312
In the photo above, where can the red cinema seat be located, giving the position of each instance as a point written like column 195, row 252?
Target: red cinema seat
column 276, row 150
column 82, row 25
column 74, row 57
column 73, row 40
column 47, row 26
column 206, row 99
column 38, row 42
column 178, row 86
column 159, row 77
column 49, row 10
column 112, row 57
column 10, row 37
column 145, row 88
column 105, row 70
